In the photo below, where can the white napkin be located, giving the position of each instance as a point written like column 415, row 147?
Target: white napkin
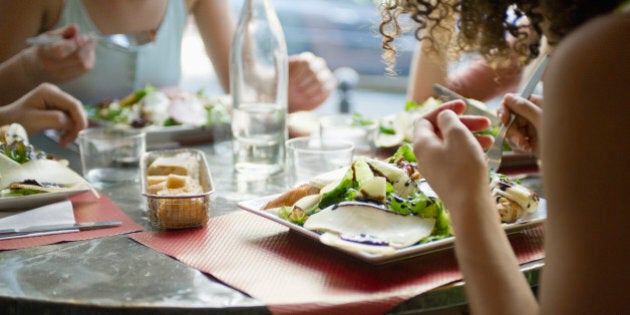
column 54, row 213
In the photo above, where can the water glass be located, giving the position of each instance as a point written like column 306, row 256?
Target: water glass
column 308, row 157
column 360, row 132
column 111, row 155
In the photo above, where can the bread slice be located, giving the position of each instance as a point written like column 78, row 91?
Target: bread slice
column 180, row 164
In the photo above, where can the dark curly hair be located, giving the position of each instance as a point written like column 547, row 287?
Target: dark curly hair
column 483, row 24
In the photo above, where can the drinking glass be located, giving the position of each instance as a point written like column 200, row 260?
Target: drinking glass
column 308, row 157
column 111, row 155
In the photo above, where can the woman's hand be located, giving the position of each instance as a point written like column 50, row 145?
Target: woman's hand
column 310, row 81
column 523, row 135
column 68, row 59
column 47, row 107
column 450, row 156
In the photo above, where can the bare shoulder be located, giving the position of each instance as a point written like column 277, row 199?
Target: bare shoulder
column 22, row 19
column 593, row 63
column 599, row 48
column 585, row 129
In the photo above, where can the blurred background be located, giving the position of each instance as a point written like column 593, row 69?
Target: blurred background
column 344, row 33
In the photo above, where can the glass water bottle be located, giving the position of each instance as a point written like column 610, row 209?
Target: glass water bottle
column 259, row 87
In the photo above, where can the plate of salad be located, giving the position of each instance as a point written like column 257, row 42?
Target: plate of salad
column 30, row 177
column 168, row 114
column 383, row 210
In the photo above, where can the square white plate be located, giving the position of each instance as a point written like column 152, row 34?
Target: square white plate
column 256, row 206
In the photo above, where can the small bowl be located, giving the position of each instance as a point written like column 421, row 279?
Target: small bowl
column 178, row 211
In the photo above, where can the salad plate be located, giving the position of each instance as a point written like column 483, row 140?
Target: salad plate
column 255, row 206
column 168, row 115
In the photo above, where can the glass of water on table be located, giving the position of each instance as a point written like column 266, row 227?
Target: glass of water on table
column 110, row 155
column 308, row 157
column 354, row 128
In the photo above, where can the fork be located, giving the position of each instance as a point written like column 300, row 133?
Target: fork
column 123, row 40
column 495, row 153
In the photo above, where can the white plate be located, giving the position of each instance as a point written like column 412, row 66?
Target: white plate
column 175, row 135
column 36, row 200
column 255, row 206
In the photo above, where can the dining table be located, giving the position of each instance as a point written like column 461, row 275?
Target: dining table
column 118, row 275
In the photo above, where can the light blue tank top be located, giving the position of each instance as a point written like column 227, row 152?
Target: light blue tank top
column 118, row 71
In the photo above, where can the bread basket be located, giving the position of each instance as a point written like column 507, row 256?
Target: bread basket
column 178, row 211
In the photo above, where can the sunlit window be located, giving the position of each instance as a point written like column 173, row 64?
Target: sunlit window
column 343, row 32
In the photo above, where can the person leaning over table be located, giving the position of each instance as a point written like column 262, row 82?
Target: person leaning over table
column 94, row 72
column 582, row 137
column 45, row 107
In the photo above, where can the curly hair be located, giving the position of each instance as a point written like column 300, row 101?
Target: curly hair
column 483, row 25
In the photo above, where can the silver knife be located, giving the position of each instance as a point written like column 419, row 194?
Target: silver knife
column 446, row 94
column 58, row 227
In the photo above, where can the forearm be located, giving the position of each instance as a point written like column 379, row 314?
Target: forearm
column 15, row 79
column 430, row 61
column 494, row 283
column 216, row 27
column 480, row 81
column 427, row 68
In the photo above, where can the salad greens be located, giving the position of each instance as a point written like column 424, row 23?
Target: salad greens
column 402, row 192
column 151, row 106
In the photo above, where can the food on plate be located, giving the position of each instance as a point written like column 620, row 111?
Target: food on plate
column 39, row 176
column 290, row 197
column 25, row 170
column 379, row 206
column 152, row 107
column 15, row 147
column 346, row 223
column 175, row 188
column 513, row 200
column 397, row 129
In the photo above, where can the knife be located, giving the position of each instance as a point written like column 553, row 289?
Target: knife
column 57, row 228
column 446, row 94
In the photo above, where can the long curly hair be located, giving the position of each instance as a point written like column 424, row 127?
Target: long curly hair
column 483, row 25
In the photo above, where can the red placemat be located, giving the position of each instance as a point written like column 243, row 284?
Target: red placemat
column 87, row 208
column 294, row 274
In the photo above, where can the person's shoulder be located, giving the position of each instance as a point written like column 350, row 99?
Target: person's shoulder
column 598, row 40
column 45, row 11
column 596, row 53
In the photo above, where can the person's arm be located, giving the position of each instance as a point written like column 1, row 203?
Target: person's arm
column 475, row 80
column 454, row 165
column 28, row 67
column 585, row 159
column 216, row 26
column 46, row 107
column 21, row 19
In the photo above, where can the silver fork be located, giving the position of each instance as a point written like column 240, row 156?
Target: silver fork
column 495, row 153
column 123, row 40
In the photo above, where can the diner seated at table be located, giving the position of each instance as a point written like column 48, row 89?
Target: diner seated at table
column 45, row 107
column 93, row 72
column 477, row 79
column 580, row 135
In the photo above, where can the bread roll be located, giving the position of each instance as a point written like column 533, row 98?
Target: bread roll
column 290, row 197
